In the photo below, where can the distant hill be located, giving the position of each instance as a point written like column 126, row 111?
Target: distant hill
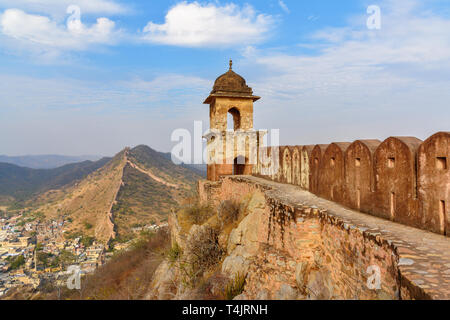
column 198, row 168
column 19, row 183
column 45, row 161
column 137, row 187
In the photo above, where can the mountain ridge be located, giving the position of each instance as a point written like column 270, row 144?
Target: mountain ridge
column 23, row 183
column 48, row 161
column 137, row 187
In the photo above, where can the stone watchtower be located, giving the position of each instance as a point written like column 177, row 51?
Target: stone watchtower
column 231, row 152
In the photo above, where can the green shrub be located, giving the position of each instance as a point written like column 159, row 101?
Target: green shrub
column 17, row 262
column 87, row 241
column 174, row 253
column 65, row 258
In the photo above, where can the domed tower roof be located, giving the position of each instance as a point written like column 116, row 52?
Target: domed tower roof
column 230, row 84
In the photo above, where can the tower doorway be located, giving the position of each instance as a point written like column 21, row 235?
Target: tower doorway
column 239, row 166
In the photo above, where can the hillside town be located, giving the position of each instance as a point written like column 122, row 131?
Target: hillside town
column 34, row 252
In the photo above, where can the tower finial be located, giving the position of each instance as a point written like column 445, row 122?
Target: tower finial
column 231, row 64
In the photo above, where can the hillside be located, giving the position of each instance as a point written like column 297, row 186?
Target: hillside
column 200, row 169
column 45, row 161
column 19, row 184
column 136, row 188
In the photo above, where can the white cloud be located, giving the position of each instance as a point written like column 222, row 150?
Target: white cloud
column 361, row 83
column 170, row 86
column 284, row 6
column 197, row 25
column 42, row 33
column 58, row 7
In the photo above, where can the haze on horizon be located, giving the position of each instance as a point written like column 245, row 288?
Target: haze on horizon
column 131, row 72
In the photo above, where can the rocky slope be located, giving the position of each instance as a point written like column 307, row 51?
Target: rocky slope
column 267, row 246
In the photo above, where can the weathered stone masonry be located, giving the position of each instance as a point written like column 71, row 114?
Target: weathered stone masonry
column 305, row 247
column 295, row 245
column 401, row 179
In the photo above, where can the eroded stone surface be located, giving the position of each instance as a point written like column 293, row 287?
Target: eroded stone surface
column 325, row 251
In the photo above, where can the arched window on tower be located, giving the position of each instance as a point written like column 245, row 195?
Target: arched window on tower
column 234, row 119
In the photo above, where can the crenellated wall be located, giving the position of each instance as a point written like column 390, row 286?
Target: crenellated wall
column 359, row 175
column 395, row 180
column 434, row 183
column 401, row 179
column 332, row 172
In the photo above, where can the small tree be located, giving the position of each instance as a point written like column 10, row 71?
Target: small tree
column 17, row 262
column 66, row 258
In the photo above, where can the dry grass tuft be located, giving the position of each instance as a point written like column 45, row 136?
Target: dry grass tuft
column 194, row 214
column 235, row 287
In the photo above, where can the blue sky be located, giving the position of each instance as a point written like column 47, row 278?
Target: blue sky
column 125, row 73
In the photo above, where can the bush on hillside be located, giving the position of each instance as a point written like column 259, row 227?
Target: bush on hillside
column 174, row 253
column 202, row 249
column 194, row 214
column 229, row 211
column 16, row 262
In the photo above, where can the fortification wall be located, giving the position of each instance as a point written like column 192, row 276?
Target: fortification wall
column 401, row 179
column 293, row 245
column 434, row 182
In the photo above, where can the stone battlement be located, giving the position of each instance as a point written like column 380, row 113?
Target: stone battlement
column 402, row 179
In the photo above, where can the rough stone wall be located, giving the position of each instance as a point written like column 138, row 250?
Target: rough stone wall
column 332, row 169
column 359, row 179
column 349, row 254
column 296, row 165
column 392, row 180
column 235, row 146
column 315, row 164
column 293, row 251
column 220, row 108
column 281, row 160
column 215, row 171
column 306, row 167
column 286, row 166
column 276, row 171
column 434, row 182
column 395, row 181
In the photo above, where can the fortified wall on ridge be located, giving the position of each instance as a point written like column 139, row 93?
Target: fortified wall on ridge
column 402, row 179
column 302, row 234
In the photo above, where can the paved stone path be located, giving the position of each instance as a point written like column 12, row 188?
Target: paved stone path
column 424, row 256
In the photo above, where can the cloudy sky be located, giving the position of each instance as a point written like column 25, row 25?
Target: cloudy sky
column 94, row 76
